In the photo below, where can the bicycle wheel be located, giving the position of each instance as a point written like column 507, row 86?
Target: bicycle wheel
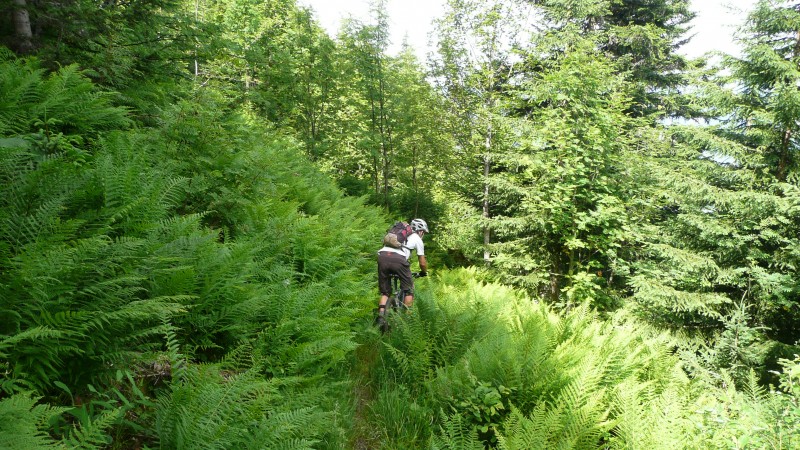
column 394, row 303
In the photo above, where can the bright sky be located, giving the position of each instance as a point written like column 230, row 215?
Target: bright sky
column 407, row 18
column 715, row 22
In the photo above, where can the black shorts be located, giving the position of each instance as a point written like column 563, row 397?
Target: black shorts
column 389, row 263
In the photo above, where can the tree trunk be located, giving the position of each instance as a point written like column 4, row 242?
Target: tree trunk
column 385, row 130
column 486, row 166
column 785, row 156
column 196, row 15
column 414, row 179
column 489, row 105
column 555, row 285
column 385, row 156
column 23, row 42
column 376, row 166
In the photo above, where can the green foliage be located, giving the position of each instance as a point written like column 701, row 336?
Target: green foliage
column 752, row 417
column 201, row 284
column 790, row 385
column 535, row 379
column 24, row 423
column 715, row 261
column 62, row 111
column 525, row 358
column 721, row 222
column 768, row 101
column 113, row 282
column 456, row 434
column 214, row 409
column 738, row 348
column 475, row 61
column 121, row 44
column 642, row 38
column 459, row 231
column 71, row 285
column 93, row 434
column 399, row 422
column 485, row 407
column 563, row 191
column 387, row 141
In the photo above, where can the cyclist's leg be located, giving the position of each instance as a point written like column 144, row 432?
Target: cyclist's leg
column 384, row 283
column 406, row 283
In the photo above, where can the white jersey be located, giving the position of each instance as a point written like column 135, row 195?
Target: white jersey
column 413, row 242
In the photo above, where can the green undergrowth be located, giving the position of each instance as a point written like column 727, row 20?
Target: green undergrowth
column 480, row 366
column 182, row 286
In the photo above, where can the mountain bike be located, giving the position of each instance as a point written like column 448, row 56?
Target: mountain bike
column 394, row 303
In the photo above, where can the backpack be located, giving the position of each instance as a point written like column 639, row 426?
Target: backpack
column 397, row 235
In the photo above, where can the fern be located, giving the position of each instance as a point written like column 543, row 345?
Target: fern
column 454, row 434
column 24, row 423
column 94, row 434
column 535, row 379
column 177, row 361
column 209, row 410
column 63, row 102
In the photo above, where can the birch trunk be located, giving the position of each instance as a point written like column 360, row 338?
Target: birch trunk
column 486, row 170
column 22, row 27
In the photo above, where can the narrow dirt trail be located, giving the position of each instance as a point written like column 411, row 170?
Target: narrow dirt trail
column 364, row 436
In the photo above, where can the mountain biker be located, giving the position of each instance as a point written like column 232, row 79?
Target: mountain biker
column 396, row 261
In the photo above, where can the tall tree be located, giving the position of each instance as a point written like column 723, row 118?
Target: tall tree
column 118, row 41
column 563, row 183
column 719, row 240
column 314, row 69
column 769, row 73
column 251, row 38
column 422, row 156
column 642, row 37
column 365, row 47
column 474, row 60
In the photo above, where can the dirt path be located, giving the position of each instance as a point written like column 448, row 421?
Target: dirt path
column 364, row 436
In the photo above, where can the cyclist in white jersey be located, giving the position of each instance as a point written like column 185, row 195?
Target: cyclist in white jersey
column 396, row 261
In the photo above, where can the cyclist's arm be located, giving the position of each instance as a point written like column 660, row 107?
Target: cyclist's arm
column 423, row 264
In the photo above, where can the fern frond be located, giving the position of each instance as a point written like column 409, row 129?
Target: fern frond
column 24, row 424
column 455, row 434
column 95, row 433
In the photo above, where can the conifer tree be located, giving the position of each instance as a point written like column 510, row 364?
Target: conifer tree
column 719, row 240
column 642, row 37
column 564, row 187
column 120, row 43
column 768, row 72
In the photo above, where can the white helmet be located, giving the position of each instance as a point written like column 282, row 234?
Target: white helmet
column 419, row 225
